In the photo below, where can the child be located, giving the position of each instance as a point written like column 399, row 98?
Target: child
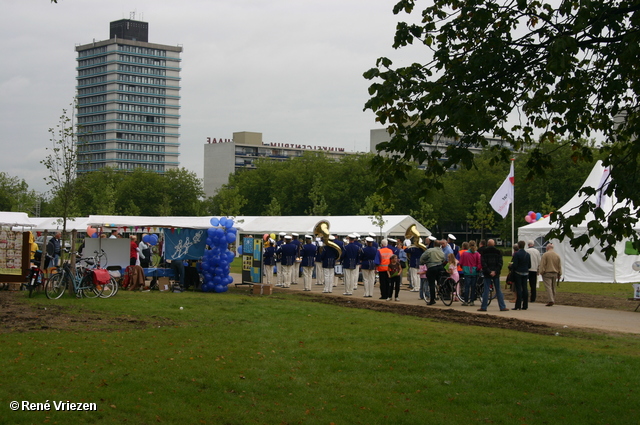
column 394, row 271
column 452, row 269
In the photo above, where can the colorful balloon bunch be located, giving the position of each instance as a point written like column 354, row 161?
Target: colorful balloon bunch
column 91, row 232
column 532, row 217
column 150, row 239
column 217, row 260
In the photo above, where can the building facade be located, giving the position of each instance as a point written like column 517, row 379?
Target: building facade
column 225, row 156
column 128, row 102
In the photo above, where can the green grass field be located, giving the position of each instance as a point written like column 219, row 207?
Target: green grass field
column 234, row 358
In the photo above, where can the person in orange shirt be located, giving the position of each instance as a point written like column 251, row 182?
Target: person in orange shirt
column 382, row 260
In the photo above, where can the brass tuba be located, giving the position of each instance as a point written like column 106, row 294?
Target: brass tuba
column 413, row 234
column 321, row 229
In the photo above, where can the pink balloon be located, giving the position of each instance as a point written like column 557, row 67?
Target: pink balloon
column 91, row 231
column 527, row 219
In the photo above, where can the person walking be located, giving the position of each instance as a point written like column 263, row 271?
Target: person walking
column 308, row 251
column 53, row 249
column 533, row 271
column 491, row 259
column 551, row 271
column 413, row 254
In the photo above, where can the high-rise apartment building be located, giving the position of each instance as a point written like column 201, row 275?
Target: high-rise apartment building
column 128, row 103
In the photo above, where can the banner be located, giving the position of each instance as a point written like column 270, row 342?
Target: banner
column 184, row 244
column 504, row 195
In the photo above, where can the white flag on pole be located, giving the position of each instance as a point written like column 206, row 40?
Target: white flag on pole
column 504, row 195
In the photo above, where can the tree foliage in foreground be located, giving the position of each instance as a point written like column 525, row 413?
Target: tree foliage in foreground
column 566, row 70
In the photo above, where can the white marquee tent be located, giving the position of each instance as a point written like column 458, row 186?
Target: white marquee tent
column 596, row 268
column 15, row 219
column 395, row 225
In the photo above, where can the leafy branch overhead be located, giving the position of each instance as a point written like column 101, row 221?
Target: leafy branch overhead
column 522, row 71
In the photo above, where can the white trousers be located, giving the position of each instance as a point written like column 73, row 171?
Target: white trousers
column 307, row 277
column 414, row 278
column 268, row 274
column 319, row 274
column 350, row 280
column 287, row 276
column 328, row 279
column 279, row 274
column 369, row 278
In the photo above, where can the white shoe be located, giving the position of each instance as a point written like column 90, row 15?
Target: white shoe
column 397, row 299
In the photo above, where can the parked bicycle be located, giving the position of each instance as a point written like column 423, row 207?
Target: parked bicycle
column 445, row 290
column 36, row 276
column 82, row 279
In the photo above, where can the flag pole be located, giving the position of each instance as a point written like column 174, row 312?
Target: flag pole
column 513, row 203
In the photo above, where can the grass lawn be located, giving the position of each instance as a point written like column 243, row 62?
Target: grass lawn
column 235, row 358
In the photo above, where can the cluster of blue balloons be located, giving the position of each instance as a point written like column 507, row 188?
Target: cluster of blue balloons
column 150, row 239
column 217, row 260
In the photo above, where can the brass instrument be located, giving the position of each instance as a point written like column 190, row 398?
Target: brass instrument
column 413, row 234
column 322, row 229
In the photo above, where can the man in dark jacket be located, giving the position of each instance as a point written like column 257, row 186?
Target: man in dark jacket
column 491, row 259
column 520, row 265
column 53, row 251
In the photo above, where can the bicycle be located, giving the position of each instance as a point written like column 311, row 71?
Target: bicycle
column 445, row 290
column 110, row 288
column 82, row 279
column 36, row 276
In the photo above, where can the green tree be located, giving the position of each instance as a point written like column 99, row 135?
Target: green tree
column 183, row 192
column 319, row 204
column 142, row 192
column 424, row 213
column 566, row 70
column 15, row 194
column 482, row 216
column 228, row 202
column 97, row 191
column 375, row 206
column 61, row 164
column 274, row 208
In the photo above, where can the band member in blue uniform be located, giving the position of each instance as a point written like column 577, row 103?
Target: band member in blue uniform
column 318, row 261
column 269, row 260
column 279, row 243
column 330, row 258
column 413, row 254
column 308, row 259
column 350, row 259
column 287, row 261
column 368, row 267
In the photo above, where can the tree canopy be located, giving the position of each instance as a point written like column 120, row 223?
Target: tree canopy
column 522, row 71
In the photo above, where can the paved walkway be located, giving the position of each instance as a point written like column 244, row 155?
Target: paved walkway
column 558, row 315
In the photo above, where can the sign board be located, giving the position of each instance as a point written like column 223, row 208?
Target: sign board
column 251, row 260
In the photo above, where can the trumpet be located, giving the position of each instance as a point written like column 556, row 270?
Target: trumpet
column 322, row 229
column 413, row 234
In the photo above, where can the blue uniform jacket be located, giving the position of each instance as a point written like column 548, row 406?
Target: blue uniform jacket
column 269, row 256
column 351, row 256
column 414, row 254
column 308, row 255
column 368, row 258
column 329, row 257
column 289, row 252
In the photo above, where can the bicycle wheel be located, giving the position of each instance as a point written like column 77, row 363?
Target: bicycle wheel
column 446, row 291
column 425, row 294
column 109, row 289
column 102, row 259
column 56, row 285
column 32, row 281
column 480, row 292
column 88, row 288
column 449, row 288
column 155, row 260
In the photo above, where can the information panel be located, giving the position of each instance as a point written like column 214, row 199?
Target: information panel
column 251, row 260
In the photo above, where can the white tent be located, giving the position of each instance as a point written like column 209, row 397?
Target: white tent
column 51, row 224
column 395, row 225
column 596, row 268
column 15, row 219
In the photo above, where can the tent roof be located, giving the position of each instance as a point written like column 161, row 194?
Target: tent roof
column 341, row 225
column 48, row 224
column 15, row 219
column 394, row 224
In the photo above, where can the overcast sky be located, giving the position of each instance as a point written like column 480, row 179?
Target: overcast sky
column 290, row 69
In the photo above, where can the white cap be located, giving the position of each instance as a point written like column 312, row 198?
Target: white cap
column 357, row 235
column 308, row 237
column 373, row 235
column 392, row 240
column 351, row 236
column 318, row 239
column 453, row 238
column 282, row 233
column 295, row 234
column 331, row 237
column 287, row 237
column 407, row 242
column 369, row 239
column 432, row 238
